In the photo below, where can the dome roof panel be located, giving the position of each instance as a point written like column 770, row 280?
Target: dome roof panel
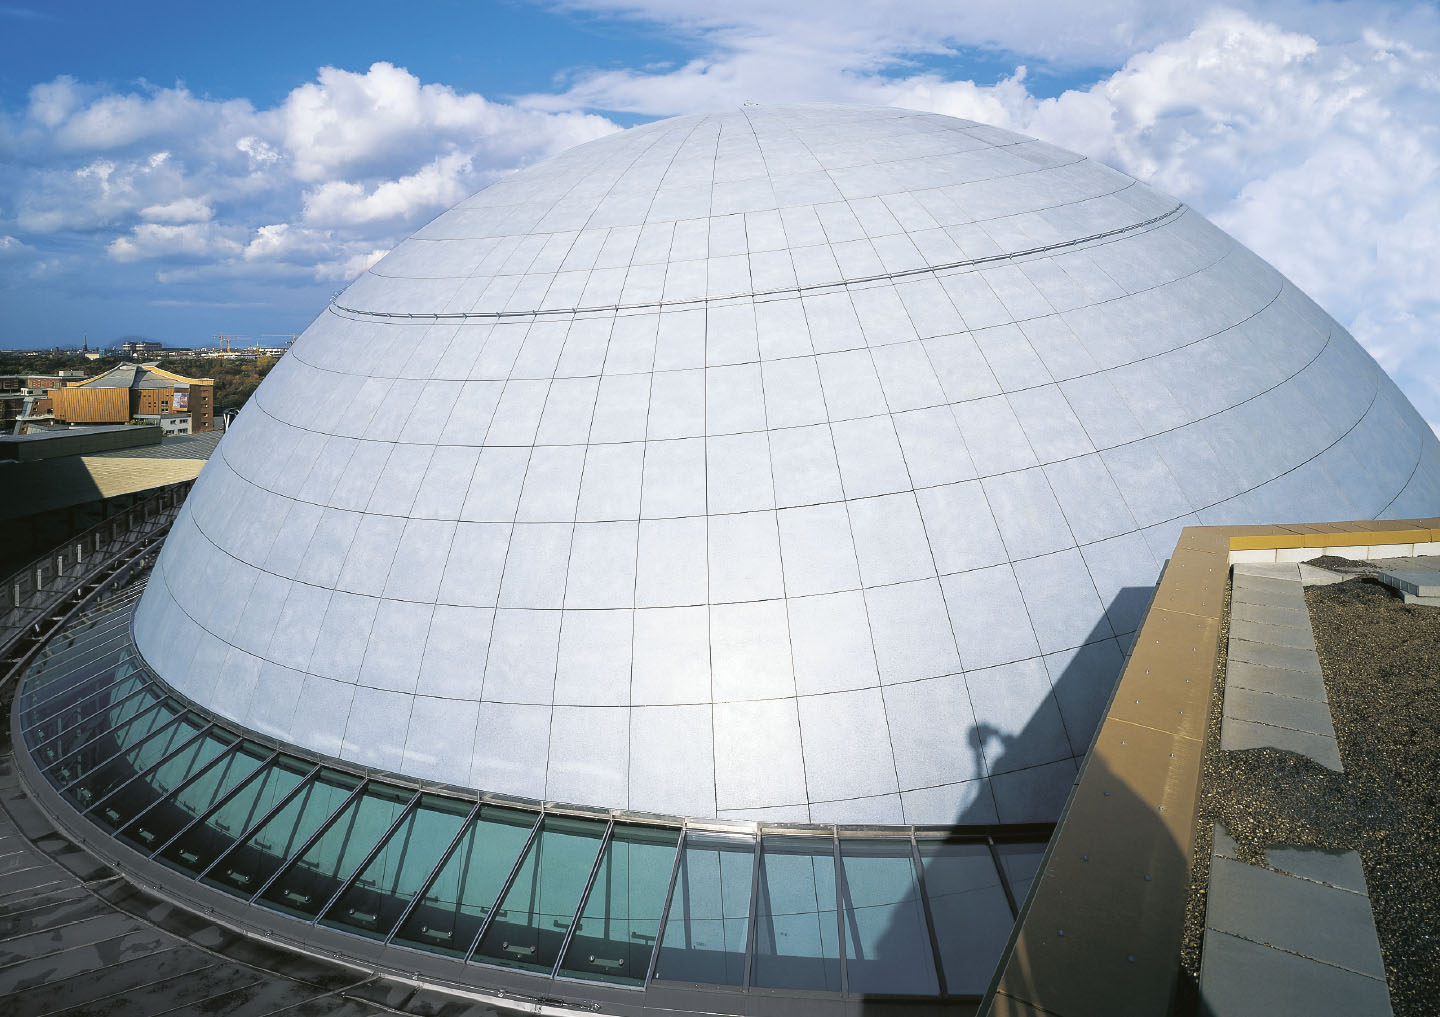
column 797, row 462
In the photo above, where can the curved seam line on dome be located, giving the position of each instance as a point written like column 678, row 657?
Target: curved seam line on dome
column 1059, row 385
column 462, row 316
column 1419, row 457
column 1129, row 184
column 1018, row 322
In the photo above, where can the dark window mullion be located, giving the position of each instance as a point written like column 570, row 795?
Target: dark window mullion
column 310, row 840
column 584, row 897
column 434, row 872
column 925, row 908
column 405, row 814
column 514, row 871
column 751, row 923
column 839, row 911
column 223, row 800
column 249, row 831
column 1000, row 871
column 227, row 753
column 665, row 911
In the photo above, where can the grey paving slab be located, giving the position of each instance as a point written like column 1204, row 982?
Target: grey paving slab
column 1279, row 711
column 1269, row 614
column 1255, row 573
column 1415, row 601
column 1236, row 735
column 1416, row 582
column 1293, row 601
column 1274, row 656
column 1278, row 680
column 1300, row 916
column 1239, row 978
column 1311, row 575
column 1338, row 868
column 1275, row 635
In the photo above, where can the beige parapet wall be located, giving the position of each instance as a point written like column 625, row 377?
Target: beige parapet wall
column 1100, row 932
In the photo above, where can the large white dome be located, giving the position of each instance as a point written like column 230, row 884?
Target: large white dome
column 798, row 463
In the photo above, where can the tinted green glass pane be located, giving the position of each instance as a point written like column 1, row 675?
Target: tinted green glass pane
column 374, row 902
column 79, row 767
column 99, row 698
column 53, row 754
column 797, row 940
column 198, row 847
column 168, row 817
column 453, row 907
column 246, row 868
column 531, row 921
column 887, row 941
column 132, row 798
column 617, row 928
column 706, row 932
column 972, row 918
column 307, row 884
column 1020, row 861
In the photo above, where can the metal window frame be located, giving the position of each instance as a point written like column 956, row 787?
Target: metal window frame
column 605, row 839
column 145, row 686
column 425, row 884
column 67, row 682
column 540, row 818
column 182, row 712
column 270, row 813
column 229, row 751
column 219, row 803
column 162, row 701
column 205, row 728
column 406, row 810
column 665, row 911
column 309, row 841
column 919, row 865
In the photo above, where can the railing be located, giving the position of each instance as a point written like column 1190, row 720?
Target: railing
column 43, row 587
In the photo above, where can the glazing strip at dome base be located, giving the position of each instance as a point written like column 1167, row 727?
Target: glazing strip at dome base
column 614, row 911
column 796, row 464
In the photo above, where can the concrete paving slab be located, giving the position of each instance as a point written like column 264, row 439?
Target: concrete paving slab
column 1337, row 868
column 1278, row 680
column 1292, row 599
column 1415, row 601
column 1313, row 575
column 1273, row 571
column 1416, row 582
column 1243, row 979
column 1274, row 656
column 1303, row 917
column 1280, row 711
column 1237, row 735
column 1275, row 635
column 1268, row 615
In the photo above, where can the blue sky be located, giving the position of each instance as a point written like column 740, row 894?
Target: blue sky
column 176, row 169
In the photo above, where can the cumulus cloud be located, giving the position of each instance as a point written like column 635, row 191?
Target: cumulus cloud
column 324, row 182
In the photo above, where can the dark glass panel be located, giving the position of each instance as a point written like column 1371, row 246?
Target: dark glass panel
column 95, row 676
column 306, row 885
column 198, row 847
column 375, row 901
column 246, row 868
column 967, row 903
column 454, row 906
column 168, row 817
column 140, row 793
column 618, row 925
column 85, row 709
column 708, row 925
column 74, row 656
column 797, row 940
column 540, row 903
column 94, row 788
column 75, row 767
column 887, row 941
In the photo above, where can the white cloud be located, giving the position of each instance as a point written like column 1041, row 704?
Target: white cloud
column 179, row 210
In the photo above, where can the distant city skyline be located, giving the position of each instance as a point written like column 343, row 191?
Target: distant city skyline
column 174, row 172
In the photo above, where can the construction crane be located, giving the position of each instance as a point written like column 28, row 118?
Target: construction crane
column 224, row 339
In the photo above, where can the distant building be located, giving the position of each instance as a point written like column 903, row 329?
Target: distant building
column 178, row 404
column 137, row 348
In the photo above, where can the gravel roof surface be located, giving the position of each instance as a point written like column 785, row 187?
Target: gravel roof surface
column 1381, row 663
